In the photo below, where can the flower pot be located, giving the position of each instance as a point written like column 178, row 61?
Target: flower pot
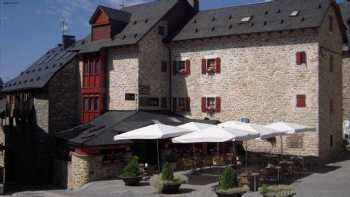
column 171, row 188
column 224, row 194
column 132, row 181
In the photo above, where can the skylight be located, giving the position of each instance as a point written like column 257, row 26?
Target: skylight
column 246, row 19
column 294, row 13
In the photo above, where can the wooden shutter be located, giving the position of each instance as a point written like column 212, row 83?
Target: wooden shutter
column 303, row 57
column 174, row 104
column 218, row 65
column 204, row 66
column 301, row 101
column 188, row 104
column 188, row 66
column 174, row 67
column 204, row 104
column 298, row 58
column 218, row 104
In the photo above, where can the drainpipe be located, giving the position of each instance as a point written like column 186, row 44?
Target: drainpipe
column 170, row 79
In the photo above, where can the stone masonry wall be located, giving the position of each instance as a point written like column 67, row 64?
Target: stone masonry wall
column 330, row 88
column 64, row 96
column 123, row 75
column 259, row 80
column 346, row 87
column 87, row 168
column 152, row 52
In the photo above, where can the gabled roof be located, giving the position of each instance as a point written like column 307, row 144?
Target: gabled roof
column 276, row 15
column 143, row 18
column 101, row 131
column 42, row 70
column 113, row 14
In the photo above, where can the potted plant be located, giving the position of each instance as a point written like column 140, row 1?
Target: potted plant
column 171, row 158
column 167, row 182
column 131, row 172
column 276, row 191
column 228, row 185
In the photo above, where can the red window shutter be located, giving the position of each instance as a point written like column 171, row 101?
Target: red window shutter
column 298, row 58
column 174, row 67
column 188, row 67
column 204, row 66
column 204, row 104
column 301, row 101
column 218, row 65
column 188, row 104
column 218, row 104
column 303, row 57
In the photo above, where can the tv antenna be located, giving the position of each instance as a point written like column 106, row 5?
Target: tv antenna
column 64, row 26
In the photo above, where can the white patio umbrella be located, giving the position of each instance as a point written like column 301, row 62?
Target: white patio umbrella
column 195, row 126
column 288, row 128
column 153, row 132
column 255, row 131
column 214, row 134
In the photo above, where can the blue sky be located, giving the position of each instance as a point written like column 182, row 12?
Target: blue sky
column 31, row 27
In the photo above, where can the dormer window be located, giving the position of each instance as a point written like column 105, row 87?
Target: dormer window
column 294, row 13
column 246, row 19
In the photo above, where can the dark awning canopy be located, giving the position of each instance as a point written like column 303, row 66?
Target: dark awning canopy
column 100, row 132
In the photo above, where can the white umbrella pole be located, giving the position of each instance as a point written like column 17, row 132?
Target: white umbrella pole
column 281, row 144
column 158, row 159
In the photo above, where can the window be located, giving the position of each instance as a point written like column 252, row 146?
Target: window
column 85, row 104
column 129, row 97
column 96, row 104
column 90, row 104
column 211, row 66
column 294, row 13
column 161, row 30
column 246, row 19
column 301, row 101
column 211, row 104
column 330, row 27
column 346, row 136
column 164, row 66
column 331, row 63
column 182, row 67
column 182, row 104
column 301, row 58
column 331, row 140
column 149, row 102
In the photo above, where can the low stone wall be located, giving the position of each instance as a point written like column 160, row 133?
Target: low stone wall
column 87, row 168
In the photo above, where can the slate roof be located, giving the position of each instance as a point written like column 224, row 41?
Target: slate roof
column 265, row 17
column 101, row 131
column 143, row 18
column 42, row 70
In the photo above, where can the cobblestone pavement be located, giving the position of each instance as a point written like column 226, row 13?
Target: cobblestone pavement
column 330, row 181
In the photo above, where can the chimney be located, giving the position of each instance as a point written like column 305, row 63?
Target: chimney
column 67, row 41
column 194, row 4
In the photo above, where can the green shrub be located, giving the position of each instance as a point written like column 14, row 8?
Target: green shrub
column 276, row 191
column 132, row 168
column 157, row 182
column 167, row 172
column 228, row 180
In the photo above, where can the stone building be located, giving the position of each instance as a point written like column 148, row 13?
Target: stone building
column 166, row 61
column 42, row 100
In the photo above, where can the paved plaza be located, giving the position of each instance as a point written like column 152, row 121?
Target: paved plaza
column 330, row 181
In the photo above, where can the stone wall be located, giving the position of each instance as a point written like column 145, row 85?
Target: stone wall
column 123, row 75
column 259, row 80
column 346, row 86
column 152, row 52
column 64, row 97
column 330, row 88
column 87, row 168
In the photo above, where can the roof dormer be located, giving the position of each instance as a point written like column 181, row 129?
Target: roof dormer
column 107, row 22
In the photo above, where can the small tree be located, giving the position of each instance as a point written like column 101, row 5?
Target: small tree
column 167, row 172
column 228, row 180
column 132, row 169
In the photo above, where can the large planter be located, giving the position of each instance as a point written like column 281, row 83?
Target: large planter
column 227, row 194
column 272, row 195
column 171, row 188
column 132, row 181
